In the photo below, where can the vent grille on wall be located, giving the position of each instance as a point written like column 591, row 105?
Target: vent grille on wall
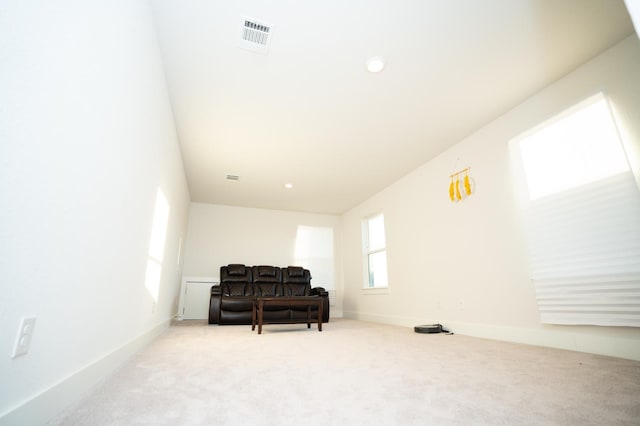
column 332, row 297
column 233, row 178
column 256, row 35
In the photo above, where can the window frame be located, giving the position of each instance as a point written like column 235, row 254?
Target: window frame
column 367, row 252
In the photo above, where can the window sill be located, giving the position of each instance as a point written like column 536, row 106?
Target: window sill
column 375, row 291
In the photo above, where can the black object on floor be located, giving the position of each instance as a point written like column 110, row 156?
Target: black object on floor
column 430, row 329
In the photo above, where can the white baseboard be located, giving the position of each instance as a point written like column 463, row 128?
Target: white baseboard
column 53, row 401
column 559, row 337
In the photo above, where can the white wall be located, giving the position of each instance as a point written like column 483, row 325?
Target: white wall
column 86, row 142
column 633, row 6
column 465, row 264
column 219, row 235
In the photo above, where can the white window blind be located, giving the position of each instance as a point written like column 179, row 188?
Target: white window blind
column 585, row 254
column 584, row 236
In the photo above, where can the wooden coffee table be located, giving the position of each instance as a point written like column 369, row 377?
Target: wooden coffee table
column 257, row 314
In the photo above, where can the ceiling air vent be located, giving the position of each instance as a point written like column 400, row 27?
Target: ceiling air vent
column 256, row 35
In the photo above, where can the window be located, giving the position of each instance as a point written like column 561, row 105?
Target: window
column 375, row 253
column 314, row 251
column 577, row 149
column 582, row 217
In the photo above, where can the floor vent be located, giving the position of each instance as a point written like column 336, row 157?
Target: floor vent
column 256, row 35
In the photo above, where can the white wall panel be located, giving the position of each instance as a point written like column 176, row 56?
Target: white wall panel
column 87, row 142
column 465, row 263
column 220, row 235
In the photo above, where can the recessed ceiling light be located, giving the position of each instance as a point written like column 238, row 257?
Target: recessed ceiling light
column 288, row 185
column 375, row 64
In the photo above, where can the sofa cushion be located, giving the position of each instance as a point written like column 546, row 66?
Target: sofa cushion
column 266, row 271
column 236, row 269
column 293, row 289
column 235, row 317
column 266, row 274
column 237, row 289
column 295, row 271
column 237, row 304
column 268, row 289
column 296, row 274
column 236, row 273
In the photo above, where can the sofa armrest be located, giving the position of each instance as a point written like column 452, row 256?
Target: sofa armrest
column 214, row 304
column 319, row 291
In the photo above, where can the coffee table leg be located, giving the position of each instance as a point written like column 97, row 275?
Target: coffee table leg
column 253, row 316
column 260, row 312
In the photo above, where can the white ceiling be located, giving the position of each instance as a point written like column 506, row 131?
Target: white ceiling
column 309, row 113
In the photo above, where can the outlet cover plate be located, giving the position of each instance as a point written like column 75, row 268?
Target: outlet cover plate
column 23, row 339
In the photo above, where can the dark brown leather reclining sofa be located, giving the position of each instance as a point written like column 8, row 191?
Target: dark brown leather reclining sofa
column 232, row 301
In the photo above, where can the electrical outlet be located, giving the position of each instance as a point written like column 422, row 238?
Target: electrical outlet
column 23, row 340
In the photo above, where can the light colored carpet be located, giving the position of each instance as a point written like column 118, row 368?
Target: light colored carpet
column 357, row 373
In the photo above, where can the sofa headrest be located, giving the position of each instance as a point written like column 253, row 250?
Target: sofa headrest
column 295, row 271
column 236, row 269
column 266, row 271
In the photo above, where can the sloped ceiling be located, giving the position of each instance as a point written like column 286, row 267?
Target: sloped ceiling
column 309, row 113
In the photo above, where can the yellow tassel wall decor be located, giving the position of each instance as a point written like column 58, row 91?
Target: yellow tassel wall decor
column 451, row 191
column 468, row 185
